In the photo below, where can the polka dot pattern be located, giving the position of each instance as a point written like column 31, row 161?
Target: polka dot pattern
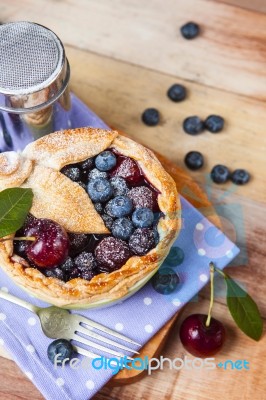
column 90, row 384
column 2, row 342
column 30, row 348
column 147, row 301
column 149, row 328
column 29, row 375
column 2, row 316
column 203, row 278
column 119, row 326
column 60, row 382
column 32, row 321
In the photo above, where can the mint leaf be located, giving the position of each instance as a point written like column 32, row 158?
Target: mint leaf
column 243, row 309
column 15, row 204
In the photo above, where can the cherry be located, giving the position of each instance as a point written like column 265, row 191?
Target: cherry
column 128, row 169
column 200, row 334
column 51, row 244
column 199, row 339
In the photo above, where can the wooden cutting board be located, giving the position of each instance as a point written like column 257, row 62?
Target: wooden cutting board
column 187, row 187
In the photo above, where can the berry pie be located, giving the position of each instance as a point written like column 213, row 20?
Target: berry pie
column 104, row 216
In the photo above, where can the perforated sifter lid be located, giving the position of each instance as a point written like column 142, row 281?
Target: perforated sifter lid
column 34, row 71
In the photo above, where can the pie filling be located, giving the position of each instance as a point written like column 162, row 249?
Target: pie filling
column 128, row 205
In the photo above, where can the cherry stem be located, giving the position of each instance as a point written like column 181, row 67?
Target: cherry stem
column 212, row 268
column 30, row 238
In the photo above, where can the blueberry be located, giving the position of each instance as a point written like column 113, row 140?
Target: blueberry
column 77, row 243
column 98, row 207
column 220, row 174
column 108, row 221
column 240, row 177
column 20, row 247
column 165, row 281
column 88, row 275
column 151, row 117
column 142, row 218
column 194, row 160
column 120, row 206
column 119, row 186
column 87, row 164
column 190, row 30
column 105, row 161
column 193, row 125
column 61, row 348
column 68, row 265
column 75, row 273
column 85, row 261
column 54, row 273
column 177, row 92
column 72, row 173
column 175, row 257
column 122, row 228
column 100, row 190
column 95, row 173
column 214, row 123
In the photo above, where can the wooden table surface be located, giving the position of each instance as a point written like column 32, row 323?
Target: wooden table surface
column 124, row 55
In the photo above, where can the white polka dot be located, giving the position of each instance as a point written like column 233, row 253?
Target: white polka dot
column 69, row 122
column 119, row 326
column 229, row 254
column 30, row 348
column 90, row 384
column 4, row 289
column 31, row 321
column 199, row 227
column 2, row 316
column 2, row 342
column 29, row 374
column 147, row 301
column 203, row 278
column 176, row 302
column 60, row 381
column 201, row 252
column 148, row 328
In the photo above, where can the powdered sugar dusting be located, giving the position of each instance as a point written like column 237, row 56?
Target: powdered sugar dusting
column 141, row 196
column 112, row 253
column 9, row 162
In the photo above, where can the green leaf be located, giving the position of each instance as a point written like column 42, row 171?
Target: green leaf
column 243, row 309
column 15, row 204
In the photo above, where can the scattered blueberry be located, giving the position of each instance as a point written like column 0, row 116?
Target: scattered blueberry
column 98, row 207
column 194, row 160
column 87, row 164
column 220, row 174
column 240, row 177
column 72, row 173
column 214, row 123
column 141, row 241
column 120, row 206
column 100, row 190
column 108, row 221
column 119, row 186
column 190, row 30
column 122, row 228
column 165, row 281
column 151, row 117
column 61, row 348
column 175, row 257
column 177, row 92
column 105, row 161
column 68, row 265
column 95, row 173
column 193, row 125
column 85, row 261
column 142, row 218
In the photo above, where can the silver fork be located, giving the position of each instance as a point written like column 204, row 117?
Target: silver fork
column 58, row 323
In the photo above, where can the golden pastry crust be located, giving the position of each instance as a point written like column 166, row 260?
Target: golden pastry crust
column 53, row 151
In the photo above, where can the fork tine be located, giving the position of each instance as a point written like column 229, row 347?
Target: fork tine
column 95, row 335
column 97, row 346
column 105, row 329
column 89, row 354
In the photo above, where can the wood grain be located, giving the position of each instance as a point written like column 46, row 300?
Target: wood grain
column 255, row 5
column 147, row 34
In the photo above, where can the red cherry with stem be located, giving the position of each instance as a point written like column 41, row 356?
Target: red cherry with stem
column 51, row 244
column 200, row 334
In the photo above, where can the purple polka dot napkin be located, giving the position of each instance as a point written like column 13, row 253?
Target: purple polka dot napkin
column 139, row 317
